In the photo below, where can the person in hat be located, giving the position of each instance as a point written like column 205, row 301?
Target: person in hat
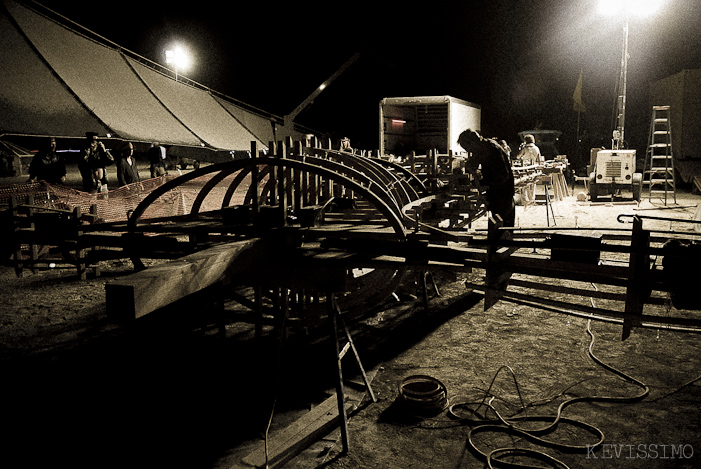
column 94, row 160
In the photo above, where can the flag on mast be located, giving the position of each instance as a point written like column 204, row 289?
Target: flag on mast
column 577, row 96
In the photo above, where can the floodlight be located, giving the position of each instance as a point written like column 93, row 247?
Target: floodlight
column 624, row 9
column 179, row 58
column 629, row 7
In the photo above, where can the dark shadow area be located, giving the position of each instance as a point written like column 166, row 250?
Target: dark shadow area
column 170, row 390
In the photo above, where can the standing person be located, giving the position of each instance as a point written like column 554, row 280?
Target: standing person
column 529, row 153
column 492, row 160
column 157, row 158
column 506, row 147
column 346, row 145
column 127, row 172
column 95, row 159
column 47, row 165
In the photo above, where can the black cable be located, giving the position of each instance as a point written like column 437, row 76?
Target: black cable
column 510, row 425
column 688, row 383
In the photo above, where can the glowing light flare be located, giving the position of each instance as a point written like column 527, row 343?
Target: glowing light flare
column 178, row 57
column 629, row 7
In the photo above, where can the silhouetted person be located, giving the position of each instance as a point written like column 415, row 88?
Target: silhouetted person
column 506, row 147
column 346, row 145
column 127, row 172
column 93, row 162
column 47, row 165
column 157, row 158
column 493, row 162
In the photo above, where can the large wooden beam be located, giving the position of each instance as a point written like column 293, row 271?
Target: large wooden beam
column 143, row 292
column 638, row 288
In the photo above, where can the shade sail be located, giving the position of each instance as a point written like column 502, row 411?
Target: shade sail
column 260, row 127
column 59, row 82
column 196, row 109
column 33, row 101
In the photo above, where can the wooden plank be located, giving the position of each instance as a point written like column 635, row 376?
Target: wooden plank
column 582, row 292
column 146, row 291
column 290, row 441
column 638, row 284
column 293, row 439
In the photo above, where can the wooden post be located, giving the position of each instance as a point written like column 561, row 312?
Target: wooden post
column 33, row 248
column 433, row 162
column 273, row 174
column 332, row 312
column 79, row 251
column 282, row 184
column 254, row 180
column 295, row 179
column 17, row 255
column 496, row 278
column 638, row 287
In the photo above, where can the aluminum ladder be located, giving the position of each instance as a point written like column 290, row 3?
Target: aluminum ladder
column 659, row 160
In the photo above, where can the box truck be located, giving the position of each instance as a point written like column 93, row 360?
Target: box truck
column 425, row 123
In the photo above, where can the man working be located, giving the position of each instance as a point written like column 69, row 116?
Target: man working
column 529, row 152
column 488, row 156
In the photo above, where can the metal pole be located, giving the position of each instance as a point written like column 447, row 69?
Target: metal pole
column 619, row 137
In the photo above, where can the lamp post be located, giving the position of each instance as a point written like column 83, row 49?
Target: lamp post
column 625, row 8
column 178, row 58
column 619, row 133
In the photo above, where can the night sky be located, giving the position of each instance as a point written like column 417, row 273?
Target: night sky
column 519, row 60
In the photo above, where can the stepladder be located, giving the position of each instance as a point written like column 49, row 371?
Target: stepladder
column 659, row 159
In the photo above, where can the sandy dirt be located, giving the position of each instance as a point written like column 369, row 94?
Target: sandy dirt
column 82, row 390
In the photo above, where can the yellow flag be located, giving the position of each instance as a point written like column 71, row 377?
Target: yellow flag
column 577, row 96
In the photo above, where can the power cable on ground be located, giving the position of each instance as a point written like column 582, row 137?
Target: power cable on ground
column 514, row 425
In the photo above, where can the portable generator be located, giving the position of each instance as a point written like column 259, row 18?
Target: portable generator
column 614, row 172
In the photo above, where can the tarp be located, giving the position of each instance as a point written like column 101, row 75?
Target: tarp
column 33, row 101
column 682, row 92
column 58, row 82
column 197, row 110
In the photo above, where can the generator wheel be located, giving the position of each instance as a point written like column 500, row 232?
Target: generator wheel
column 593, row 187
column 637, row 186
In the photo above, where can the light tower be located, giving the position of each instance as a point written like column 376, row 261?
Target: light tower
column 179, row 58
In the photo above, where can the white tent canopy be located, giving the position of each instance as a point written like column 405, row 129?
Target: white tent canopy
column 61, row 83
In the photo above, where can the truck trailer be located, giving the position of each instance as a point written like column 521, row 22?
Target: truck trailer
column 425, row 123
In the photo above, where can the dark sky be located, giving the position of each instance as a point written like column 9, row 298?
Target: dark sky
column 518, row 59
